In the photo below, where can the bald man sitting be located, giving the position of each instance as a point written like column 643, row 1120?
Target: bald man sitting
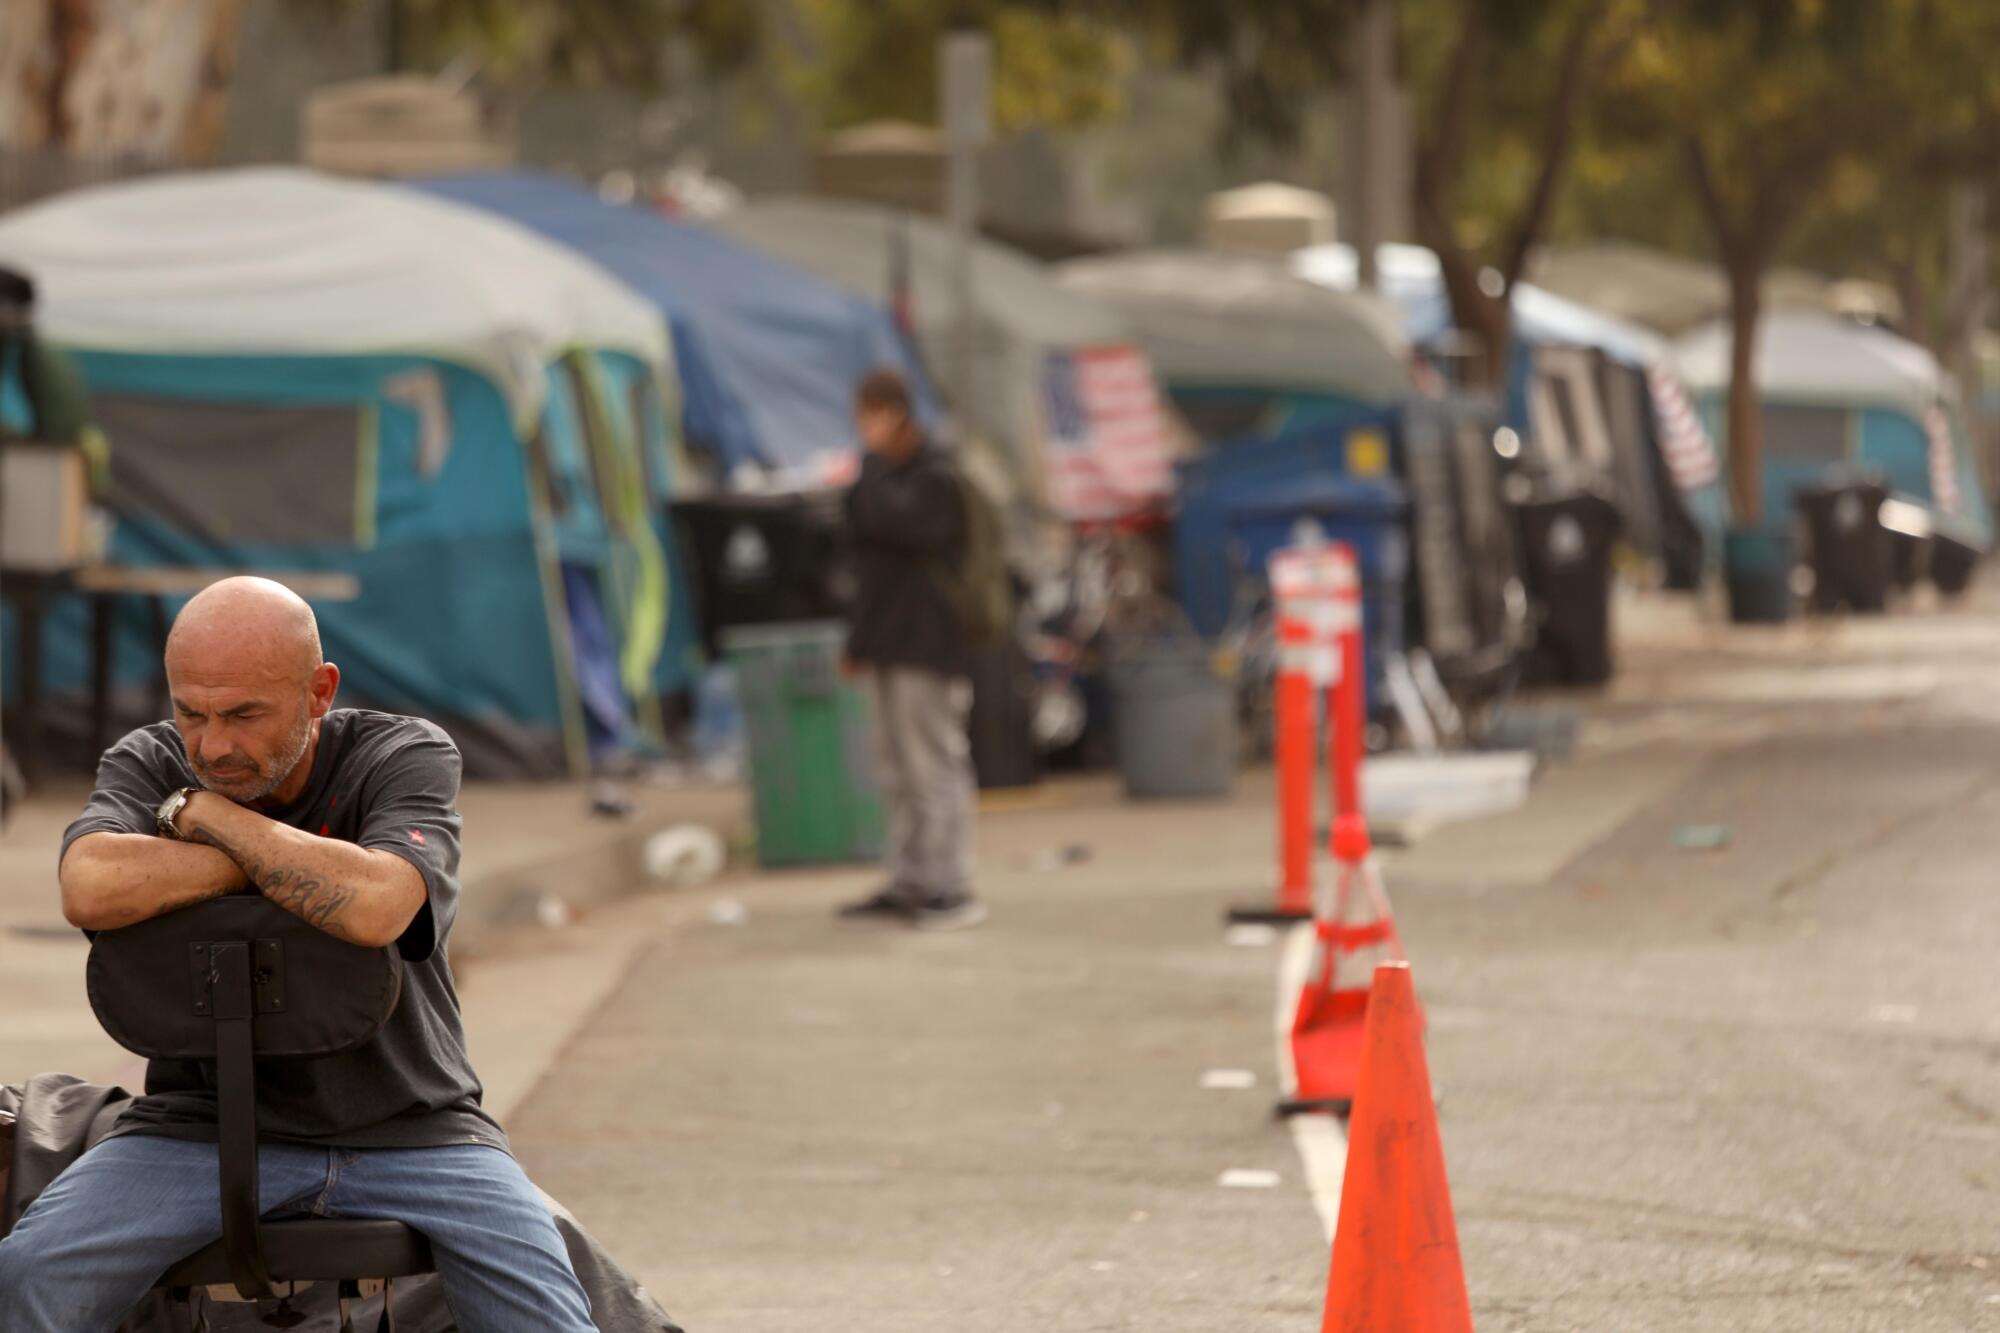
column 347, row 819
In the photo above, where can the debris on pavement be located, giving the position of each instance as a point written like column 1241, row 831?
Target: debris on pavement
column 728, row 912
column 1437, row 788
column 1550, row 730
column 1056, row 858
column 685, row 855
column 1702, row 837
column 536, row 907
column 610, row 801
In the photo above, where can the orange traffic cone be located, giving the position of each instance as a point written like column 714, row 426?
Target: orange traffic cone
column 1395, row 1253
column 1333, row 1003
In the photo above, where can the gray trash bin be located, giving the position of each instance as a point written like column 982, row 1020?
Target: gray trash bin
column 1174, row 719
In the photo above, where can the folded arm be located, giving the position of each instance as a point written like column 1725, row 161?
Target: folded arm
column 114, row 879
column 361, row 895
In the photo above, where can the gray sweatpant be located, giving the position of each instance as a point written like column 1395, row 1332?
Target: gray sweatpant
column 924, row 763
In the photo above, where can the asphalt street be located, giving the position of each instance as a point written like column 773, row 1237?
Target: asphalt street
column 1746, row 1087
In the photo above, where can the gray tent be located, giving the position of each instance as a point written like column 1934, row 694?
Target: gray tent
column 1055, row 381
column 1229, row 319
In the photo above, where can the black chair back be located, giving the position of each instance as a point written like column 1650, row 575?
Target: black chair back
column 233, row 981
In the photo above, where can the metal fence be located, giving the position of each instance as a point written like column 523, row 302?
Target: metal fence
column 28, row 174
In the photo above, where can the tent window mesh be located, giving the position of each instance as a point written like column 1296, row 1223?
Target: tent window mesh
column 1806, row 434
column 231, row 472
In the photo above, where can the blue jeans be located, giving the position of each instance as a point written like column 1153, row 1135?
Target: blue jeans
column 102, row 1233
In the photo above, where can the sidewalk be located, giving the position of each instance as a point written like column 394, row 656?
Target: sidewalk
column 798, row 1123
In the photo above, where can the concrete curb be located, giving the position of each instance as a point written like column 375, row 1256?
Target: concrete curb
column 582, row 873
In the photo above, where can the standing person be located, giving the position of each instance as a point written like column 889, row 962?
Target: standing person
column 41, row 391
column 907, row 515
column 42, row 399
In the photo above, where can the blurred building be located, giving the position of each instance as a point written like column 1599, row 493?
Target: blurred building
column 1268, row 218
column 401, row 125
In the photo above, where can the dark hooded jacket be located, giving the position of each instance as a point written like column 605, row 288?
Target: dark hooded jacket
column 906, row 521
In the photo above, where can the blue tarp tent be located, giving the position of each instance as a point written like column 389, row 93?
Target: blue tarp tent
column 1546, row 324
column 302, row 373
column 768, row 354
column 1410, row 279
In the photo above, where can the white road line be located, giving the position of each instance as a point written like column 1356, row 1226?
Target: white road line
column 1321, row 1141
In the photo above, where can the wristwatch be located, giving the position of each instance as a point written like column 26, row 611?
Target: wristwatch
column 170, row 810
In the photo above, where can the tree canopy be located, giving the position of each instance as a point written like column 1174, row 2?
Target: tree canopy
column 1815, row 129
column 856, row 61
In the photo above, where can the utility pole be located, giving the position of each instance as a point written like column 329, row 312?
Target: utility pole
column 1372, row 136
column 965, row 65
column 393, row 52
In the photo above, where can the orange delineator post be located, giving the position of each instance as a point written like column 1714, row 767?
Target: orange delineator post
column 1294, row 745
column 1396, row 1263
column 1306, row 662
column 1348, row 712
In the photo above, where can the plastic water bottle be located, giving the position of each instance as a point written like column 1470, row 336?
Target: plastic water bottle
column 718, row 724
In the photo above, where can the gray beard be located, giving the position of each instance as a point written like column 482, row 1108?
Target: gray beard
column 288, row 760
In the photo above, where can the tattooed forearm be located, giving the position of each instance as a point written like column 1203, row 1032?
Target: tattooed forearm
column 364, row 897
column 313, row 900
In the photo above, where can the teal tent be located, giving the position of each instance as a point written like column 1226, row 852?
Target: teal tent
column 1834, row 394
column 300, row 373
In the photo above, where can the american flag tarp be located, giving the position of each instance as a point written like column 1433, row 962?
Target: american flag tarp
column 1107, row 446
column 1684, row 443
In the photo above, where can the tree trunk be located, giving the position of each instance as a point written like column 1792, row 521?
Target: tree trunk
column 208, row 106
column 1908, row 280
column 116, row 78
column 28, row 73
column 1746, row 426
column 1967, row 283
column 1473, row 312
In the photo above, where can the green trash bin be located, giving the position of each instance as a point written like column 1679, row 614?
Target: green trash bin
column 812, row 765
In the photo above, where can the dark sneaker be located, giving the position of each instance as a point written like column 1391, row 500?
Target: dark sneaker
column 948, row 914
column 887, row 904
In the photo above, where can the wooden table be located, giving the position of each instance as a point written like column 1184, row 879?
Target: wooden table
column 30, row 590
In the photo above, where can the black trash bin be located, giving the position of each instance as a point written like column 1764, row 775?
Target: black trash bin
column 1567, row 535
column 1853, row 559
column 1953, row 562
column 764, row 559
column 1003, row 717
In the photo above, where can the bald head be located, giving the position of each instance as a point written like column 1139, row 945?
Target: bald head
column 249, row 686
column 245, row 624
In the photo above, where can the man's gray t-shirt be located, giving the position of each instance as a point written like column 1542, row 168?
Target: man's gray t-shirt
column 378, row 781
